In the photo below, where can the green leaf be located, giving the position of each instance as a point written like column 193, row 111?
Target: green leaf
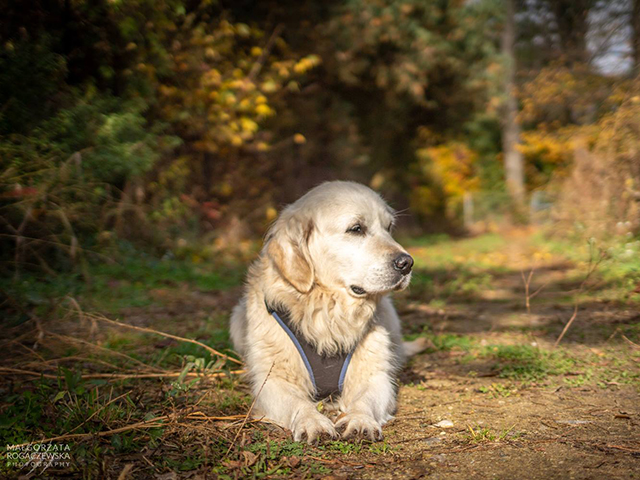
column 59, row 396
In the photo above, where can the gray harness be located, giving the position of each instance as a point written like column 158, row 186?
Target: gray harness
column 327, row 372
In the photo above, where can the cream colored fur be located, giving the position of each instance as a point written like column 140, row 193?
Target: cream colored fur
column 308, row 265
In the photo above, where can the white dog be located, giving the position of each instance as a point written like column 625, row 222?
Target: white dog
column 315, row 322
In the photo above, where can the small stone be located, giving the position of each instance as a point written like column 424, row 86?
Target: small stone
column 444, row 424
column 432, row 441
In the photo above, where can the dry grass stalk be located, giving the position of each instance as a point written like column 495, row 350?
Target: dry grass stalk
column 233, row 442
column 122, row 376
column 166, row 335
column 99, row 410
column 592, row 268
column 153, row 423
column 201, row 416
column 527, row 282
column 527, row 289
column 157, row 422
column 74, row 359
column 633, row 344
column 124, row 474
column 103, row 349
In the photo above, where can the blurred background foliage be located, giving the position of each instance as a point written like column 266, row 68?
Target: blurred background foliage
column 166, row 123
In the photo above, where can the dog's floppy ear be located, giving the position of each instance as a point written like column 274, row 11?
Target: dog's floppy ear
column 288, row 249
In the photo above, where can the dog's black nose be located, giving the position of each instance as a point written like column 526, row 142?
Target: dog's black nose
column 403, row 263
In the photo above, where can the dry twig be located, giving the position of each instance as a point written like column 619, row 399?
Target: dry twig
column 103, row 349
column 166, row 335
column 99, row 410
column 156, row 422
column 152, row 423
column 257, row 66
column 527, row 282
column 122, row 376
column 592, row 268
column 250, row 409
column 527, row 287
column 633, row 344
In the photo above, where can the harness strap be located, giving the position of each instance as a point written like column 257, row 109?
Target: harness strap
column 327, row 372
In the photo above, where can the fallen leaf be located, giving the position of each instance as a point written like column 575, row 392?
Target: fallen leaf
column 249, row 458
column 444, row 424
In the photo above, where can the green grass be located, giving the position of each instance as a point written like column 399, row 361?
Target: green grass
column 381, row 448
column 430, row 285
column 273, row 450
column 498, row 390
column 445, row 268
column 481, row 434
column 527, row 363
column 425, row 240
column 128, row 283
column 469, row 253
column 440, row 249
column 450, row 341
column 618, row 376
column 580, row 380
column 112, row 286
column 186, row 463
column 345, row 448
column 46, row 407
column 619, row 272
column 268, row 458
column 446, row 341
column 522, row 363
column 514, row 362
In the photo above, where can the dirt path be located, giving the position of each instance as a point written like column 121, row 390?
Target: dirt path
column 492, row 399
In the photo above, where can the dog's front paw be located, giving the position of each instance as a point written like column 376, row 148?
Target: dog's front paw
column 312, row 426
column 359, row 424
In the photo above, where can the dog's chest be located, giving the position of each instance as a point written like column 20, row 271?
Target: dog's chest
column 327, row 372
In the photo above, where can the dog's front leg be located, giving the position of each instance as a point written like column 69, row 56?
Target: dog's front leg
column 290, row 407
column 369, row 397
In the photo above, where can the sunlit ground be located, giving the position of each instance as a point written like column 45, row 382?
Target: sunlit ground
column 135, row 399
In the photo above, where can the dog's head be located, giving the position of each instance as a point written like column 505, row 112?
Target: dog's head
column 338, row 236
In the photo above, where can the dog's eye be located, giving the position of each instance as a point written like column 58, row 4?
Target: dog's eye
column 357, row 229
column 390, row 227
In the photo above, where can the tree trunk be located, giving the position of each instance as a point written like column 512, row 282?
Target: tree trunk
column 513, row 162
column 572, row 20
column 635, row 37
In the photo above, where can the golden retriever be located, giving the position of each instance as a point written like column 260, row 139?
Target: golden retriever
column 316, row 305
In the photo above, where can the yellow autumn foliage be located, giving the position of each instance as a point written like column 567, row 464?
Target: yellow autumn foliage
column 550, row 153
column 560, row 95
column 306, row 64
column 450, row 167
column 221, row 99
column 264, row 110
column 248, row 125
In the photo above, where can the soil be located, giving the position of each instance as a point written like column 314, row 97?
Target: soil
column 550, row 428
column 556, row 427
column 458, row 417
